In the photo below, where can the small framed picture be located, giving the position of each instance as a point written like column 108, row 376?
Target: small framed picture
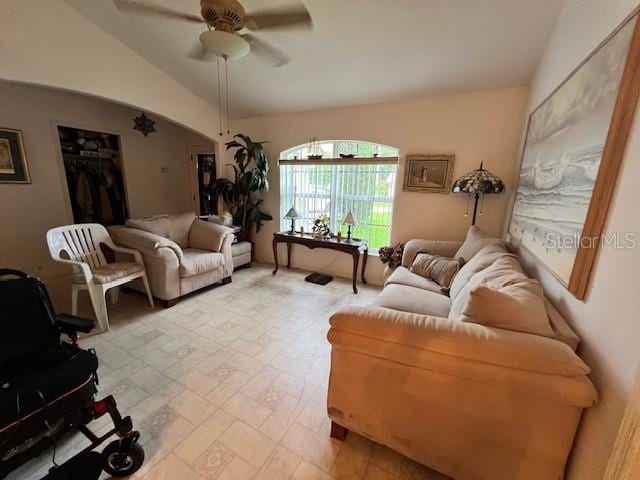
column 428, row 173
column 13, row 160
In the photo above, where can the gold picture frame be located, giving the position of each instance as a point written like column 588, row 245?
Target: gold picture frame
column 13, row 159
column 428, row 173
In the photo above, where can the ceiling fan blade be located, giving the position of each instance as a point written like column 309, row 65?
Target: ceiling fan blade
column 198, row 52
column 267, row 51
column 280, row 19
column 149, row 8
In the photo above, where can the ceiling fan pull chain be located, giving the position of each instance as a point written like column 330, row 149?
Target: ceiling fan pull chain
column 226, row 74
column 219, row 96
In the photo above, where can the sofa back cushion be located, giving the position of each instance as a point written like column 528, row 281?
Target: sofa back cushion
column 481, row 260
column 475, row 240
column 502, row 296
column 173, row 227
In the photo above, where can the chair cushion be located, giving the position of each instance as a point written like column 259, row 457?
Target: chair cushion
column 402, row 276
column 111, row 272
column 413, row 300
column 41, row 378
column 195, row 262
column 475, row 240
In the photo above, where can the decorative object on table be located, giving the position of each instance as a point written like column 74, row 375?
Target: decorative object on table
column 315, row 151
column 350, row 221
column 571, row 157
column 321, row 227
column 144, row 124
column 477, row 184
column 292, row 214
column 243, row 194
column 428, row 173
column 339, row 236
column 13, row 159
column 347, row 155
column 302, row 230
column 391, row 257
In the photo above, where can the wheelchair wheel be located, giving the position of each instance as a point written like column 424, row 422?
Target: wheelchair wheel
column 119, row 462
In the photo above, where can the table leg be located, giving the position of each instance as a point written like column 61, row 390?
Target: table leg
column 288, row 254
column 356, row 258
column 365, row 256
column 275, row 254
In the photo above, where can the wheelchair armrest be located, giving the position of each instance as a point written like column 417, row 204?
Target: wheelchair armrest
column 72, row 324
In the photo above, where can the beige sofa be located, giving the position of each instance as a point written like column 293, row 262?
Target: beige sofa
column 468, row 400
column 180, row 253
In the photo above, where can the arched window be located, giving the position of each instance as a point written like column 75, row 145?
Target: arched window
column 334, row 185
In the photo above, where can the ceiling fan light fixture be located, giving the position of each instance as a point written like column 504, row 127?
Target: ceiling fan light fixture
column 224, row 44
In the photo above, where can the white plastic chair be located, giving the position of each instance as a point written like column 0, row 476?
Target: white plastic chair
column 81, row 244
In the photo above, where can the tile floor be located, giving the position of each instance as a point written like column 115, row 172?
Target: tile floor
column 230, row 384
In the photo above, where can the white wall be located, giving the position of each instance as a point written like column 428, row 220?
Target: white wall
column 28, row 211
column 47, row 42
column 480, row 126
column 607, row 320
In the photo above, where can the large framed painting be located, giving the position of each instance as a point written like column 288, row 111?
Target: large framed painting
column 571, row 157
column 13, row 159
column 428, row 173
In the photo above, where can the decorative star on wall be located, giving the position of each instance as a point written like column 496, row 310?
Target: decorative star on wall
column 144, row 124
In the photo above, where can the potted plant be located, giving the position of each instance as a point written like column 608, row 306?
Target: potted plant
column 242, row 194
column 392, row 257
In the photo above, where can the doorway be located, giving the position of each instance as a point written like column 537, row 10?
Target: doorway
column 205, row 175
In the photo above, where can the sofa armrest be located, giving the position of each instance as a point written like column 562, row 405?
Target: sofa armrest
column 444, row 248
column 145, row 242
column 468, row 341
column 208, row 235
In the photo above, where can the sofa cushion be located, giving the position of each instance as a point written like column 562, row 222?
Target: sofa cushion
column 173, row 227
column 195, row 262
column 434, row 267
column 413, row 300
column 481, row 260
column 502, row 296
column 402, row 276
column 475, row 240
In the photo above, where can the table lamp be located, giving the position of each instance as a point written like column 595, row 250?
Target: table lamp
column 292, row 214
column 349, row 221
column 479, row 182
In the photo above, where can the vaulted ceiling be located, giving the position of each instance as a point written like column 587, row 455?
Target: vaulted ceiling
column 359, row 52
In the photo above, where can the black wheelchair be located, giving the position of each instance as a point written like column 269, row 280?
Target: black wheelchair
column 48, row 388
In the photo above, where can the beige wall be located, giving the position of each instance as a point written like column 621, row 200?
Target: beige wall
column 607, row 320
column 28, row 211
column 47, row 42
column 481, row 126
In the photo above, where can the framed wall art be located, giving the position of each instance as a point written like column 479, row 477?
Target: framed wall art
column 572, row 153
column 13, row 159
column 428, row 173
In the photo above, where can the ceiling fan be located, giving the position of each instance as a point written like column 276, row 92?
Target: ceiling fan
column 226, row 21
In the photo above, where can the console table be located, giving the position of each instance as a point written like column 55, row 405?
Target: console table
column 355, row 248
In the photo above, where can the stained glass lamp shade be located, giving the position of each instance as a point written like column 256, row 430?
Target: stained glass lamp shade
column 478, row 183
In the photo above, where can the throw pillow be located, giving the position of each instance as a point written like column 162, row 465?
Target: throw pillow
column 441, row 270
column 503, row 296
column 475, row 240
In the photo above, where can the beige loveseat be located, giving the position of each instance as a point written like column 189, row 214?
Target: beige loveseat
column 180, row 252
column 468, row 400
